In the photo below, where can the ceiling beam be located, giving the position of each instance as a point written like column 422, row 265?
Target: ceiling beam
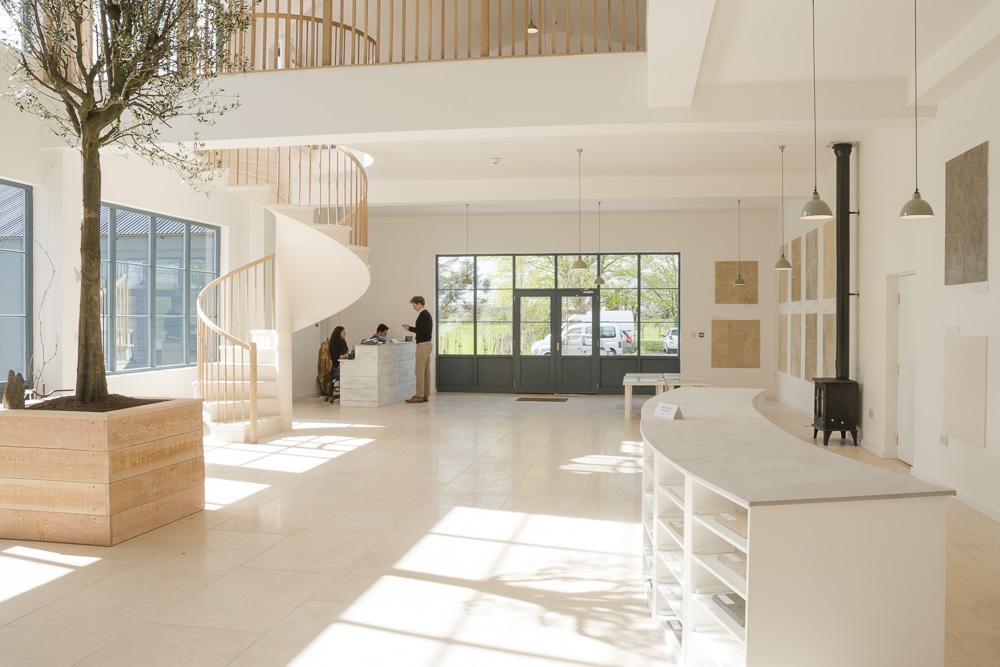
column 965, row 56
column 676, row 35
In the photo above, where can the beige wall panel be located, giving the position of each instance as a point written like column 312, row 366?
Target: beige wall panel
column 812, row 345
column 829, row 345
column 966, row 224
column 55, row 496
column 735, row 343
column 783, row 343
column 830, row 259
column 70, row 465
column 965, row 359
column 726, row 291
column 55, row 527
column 142, row 458
column 812, row 265
column 796, row 260
column 151, row 486
column 796, row 335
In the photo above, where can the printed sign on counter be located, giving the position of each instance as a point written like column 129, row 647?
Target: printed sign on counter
column 668, row 411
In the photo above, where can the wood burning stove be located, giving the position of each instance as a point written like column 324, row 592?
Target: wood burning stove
column 837, row 401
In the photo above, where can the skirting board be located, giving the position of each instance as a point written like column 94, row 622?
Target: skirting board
column 982, row 508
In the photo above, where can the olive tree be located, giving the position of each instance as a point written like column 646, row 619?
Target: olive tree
column 117, row 72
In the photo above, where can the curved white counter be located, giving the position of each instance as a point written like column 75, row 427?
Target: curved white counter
column 760, row 549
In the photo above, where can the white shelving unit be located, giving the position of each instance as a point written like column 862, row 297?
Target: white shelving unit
column 762, row 551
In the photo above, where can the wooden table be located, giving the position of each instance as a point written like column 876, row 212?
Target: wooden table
column 641, row 380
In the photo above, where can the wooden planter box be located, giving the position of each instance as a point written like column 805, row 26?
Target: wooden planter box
column 99, row 478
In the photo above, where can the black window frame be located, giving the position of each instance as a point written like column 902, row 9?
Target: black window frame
column 188, row 317
column 475, row 289
column 27, row 251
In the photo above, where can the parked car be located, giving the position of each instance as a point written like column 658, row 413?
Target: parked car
column 671, row 340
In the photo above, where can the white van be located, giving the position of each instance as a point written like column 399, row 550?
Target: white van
column 617, row 331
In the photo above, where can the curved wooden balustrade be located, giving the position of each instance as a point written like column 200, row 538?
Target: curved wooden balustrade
column 295, row 34
column 230, row 309
column 330, row 178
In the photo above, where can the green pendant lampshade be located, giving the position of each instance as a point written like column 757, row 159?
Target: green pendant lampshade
column 916, row 209
column 782, row 264
column 816, row 209
column 579, row 264
column 467, row 279
column 599, row 282
column 532, row 28
column 739, row 282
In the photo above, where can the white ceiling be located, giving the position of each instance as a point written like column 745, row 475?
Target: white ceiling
column 754, row 41
column 604, row 155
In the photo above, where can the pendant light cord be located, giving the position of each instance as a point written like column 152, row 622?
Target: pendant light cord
column 739, row 237
column 466, row 228
column 815, row 134
column 781, row 211
column 579, row 204
column 598, row 227
column 916, row 93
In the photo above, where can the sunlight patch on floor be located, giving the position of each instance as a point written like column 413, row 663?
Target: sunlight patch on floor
column 222, row 492
column 486, row 587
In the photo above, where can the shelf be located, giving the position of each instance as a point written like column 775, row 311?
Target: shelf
column 675, row 493
column 723, row 573
column 722, row 616
column 673, row 595
column 721, row 648
column 710, row 522
column 673, row 560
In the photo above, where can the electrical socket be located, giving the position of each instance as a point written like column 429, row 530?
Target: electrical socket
column 944, row 440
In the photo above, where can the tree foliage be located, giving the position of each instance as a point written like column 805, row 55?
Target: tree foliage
column 120, row 71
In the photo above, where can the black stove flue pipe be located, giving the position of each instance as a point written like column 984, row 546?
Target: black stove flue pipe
column 843, row 153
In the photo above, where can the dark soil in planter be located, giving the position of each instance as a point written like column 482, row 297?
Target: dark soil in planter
column 110, row 404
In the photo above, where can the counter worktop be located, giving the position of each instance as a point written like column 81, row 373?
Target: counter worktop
column 726, row 442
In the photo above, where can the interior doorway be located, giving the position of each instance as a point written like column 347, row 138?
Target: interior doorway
column 905, row 369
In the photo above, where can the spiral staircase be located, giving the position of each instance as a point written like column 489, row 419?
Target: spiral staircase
column 318, row 196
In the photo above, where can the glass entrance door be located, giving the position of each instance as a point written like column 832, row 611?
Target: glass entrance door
column 555, row 341
column 577, row 351
column 534, row 322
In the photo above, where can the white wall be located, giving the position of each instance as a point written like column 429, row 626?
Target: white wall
column 54, row 174
column 403, row 252
column 964, row 120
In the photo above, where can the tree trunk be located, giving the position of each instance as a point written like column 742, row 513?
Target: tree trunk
column 91, row 383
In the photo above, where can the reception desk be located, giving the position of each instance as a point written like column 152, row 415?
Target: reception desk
column 378, row 375
column 761, row 550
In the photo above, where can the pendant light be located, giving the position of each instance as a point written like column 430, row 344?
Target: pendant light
column 579, row 264
column 600, row 281
column 532, row 28
column 917, row 208
column 782, row 264
column 815, row 208
column 739, row 282
column 467, row 280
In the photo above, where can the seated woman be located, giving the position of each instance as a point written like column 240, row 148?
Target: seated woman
column 339, row 349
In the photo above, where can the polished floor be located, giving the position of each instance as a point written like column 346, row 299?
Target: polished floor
column 470, row 531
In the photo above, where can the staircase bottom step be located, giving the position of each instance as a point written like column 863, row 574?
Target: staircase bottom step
column 240, row 431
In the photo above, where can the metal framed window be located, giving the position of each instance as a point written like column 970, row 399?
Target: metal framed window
column 472, row 298
column 152, row 269
column 15, row 280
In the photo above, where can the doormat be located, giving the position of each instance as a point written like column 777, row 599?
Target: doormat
column 542, row 399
